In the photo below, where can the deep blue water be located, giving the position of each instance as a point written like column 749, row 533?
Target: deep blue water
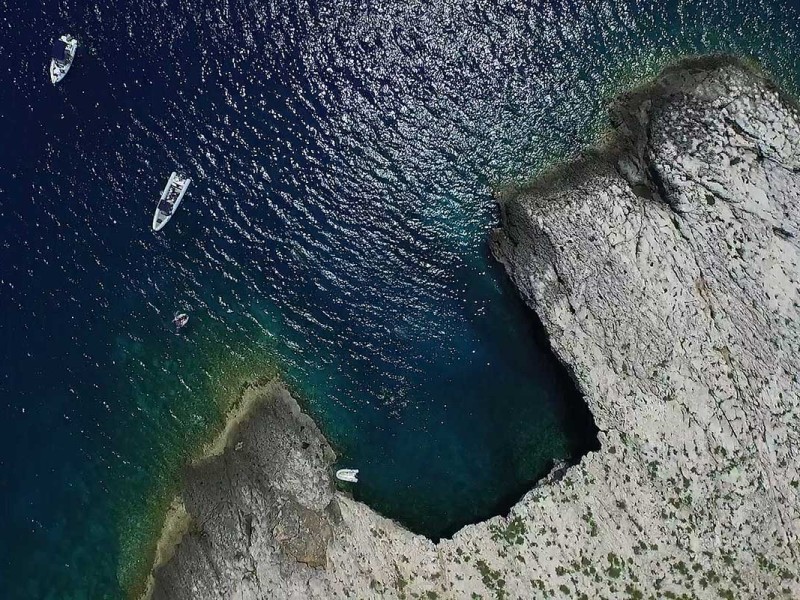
column 343, row 157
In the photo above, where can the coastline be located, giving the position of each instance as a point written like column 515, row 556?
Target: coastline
column 177, row 521
column 621, row 129
column 252, row 394
column 564, row 173
column 542, row 217
column 656, row 507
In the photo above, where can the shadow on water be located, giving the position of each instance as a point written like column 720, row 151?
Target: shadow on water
column 477, row 461
column 575, row 420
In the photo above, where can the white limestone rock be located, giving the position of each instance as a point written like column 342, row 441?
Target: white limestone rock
column 665, row 267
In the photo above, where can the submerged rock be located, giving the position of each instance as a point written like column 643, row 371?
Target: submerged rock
column 665, row 268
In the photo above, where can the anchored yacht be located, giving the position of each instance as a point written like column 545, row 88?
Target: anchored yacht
column 63, row 54
column 170, row 199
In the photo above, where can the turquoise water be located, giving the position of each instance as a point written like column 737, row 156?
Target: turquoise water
column 343, row 159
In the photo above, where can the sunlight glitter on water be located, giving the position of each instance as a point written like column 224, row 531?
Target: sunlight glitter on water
column 343, row 159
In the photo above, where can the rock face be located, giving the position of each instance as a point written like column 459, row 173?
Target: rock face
column 264, row 519
column 665, row 267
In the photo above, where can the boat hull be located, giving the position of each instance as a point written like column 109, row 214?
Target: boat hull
column 161, row 216
column 348, row 475
column 59, row 69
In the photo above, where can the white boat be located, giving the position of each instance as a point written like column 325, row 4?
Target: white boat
column 63, row 54
column 180, row 320
column 170, row 199
column 350, row 475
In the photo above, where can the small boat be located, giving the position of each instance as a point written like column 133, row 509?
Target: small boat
column 350, row 475
column 180, row 320
column 170, row 199
column 63, row 54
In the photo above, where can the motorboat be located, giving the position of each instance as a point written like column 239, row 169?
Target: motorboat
column 170, row 200
column 349, row 475
column 180, row 320
column 63, row 54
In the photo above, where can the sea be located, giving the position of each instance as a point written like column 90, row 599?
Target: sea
column 344, row 157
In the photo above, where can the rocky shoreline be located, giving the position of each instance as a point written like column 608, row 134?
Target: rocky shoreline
column 664, row 266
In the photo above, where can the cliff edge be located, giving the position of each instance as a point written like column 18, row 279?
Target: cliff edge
column 664, row 266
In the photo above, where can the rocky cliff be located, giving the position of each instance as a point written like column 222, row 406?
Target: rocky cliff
column 665, row 267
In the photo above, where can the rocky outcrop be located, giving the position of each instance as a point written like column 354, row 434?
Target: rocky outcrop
column 260, row 517
column 665, row 267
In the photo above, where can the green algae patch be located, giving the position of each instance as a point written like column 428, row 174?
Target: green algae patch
column 177, row 523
